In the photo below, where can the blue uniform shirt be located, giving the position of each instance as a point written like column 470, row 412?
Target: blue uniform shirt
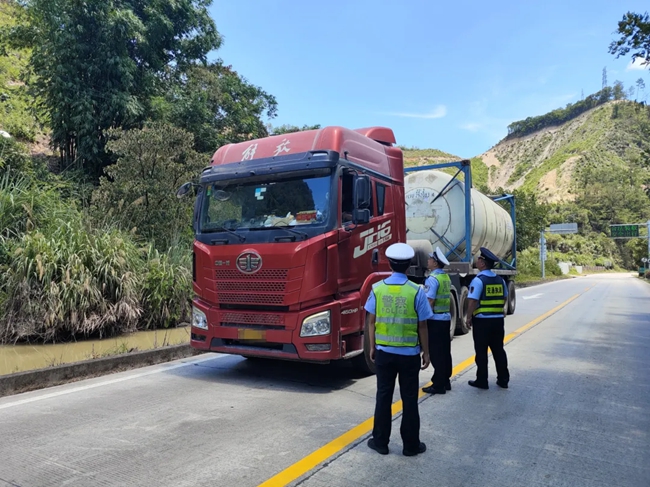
column 421, row 307
column 476, row 288
column 431, row 288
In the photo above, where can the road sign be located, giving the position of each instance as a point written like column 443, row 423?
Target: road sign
column 624, row 231
column 644, row 260
column 563, row 228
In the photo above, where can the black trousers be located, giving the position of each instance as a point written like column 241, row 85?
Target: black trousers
column 407, row 368
column 440, row 352
column 489, row 332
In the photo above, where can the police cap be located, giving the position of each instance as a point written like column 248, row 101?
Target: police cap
column 400, row 252
column 439, row 256
column 488, row 255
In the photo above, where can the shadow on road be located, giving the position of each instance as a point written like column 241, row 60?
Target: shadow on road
column 272, row 374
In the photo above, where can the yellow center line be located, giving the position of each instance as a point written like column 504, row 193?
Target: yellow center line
column 306, row 464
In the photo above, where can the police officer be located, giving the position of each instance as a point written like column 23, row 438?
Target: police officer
column 438, row 289
column 487, row 298
column 397, row 327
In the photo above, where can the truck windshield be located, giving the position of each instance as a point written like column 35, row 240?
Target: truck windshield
column 291, row 201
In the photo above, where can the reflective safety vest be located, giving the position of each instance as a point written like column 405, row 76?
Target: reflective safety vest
column 396, row 322
column 492, row 298
column 443, row 300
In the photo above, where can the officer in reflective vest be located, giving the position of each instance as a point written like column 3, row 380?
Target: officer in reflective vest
column 397, row 328
column 438, row 290
column 487, row 298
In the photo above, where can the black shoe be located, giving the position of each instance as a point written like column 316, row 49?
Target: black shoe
column 382, row 450
column 475, row 383
column 432, row 390
column 448, row 386
column 502, row 384
column 421, row 449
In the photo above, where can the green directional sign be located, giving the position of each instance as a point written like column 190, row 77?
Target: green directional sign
column 621, row 231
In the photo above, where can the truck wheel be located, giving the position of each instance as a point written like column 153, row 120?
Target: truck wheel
column 362, row 362
column 461, row 327
column 453, row 311
column 512, row 297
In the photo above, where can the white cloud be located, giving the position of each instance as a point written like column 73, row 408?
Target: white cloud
column 637, row 65
column 471, row 126
column 438, row 112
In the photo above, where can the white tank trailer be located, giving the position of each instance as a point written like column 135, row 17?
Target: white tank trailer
column 441, row 219
column 436, row 217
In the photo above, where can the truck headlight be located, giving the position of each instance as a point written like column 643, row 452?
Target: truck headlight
column 316, row 325
column 199, row 319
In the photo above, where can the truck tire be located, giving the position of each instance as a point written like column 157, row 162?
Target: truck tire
column 362, row 362
column 461, row 327
column 512, row 297
column 453, row 311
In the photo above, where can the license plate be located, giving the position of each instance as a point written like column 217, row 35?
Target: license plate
column 246, row 334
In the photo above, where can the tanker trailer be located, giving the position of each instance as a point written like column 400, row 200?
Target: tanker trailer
column 450, row 214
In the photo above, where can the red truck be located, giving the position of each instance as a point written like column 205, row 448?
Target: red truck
column 290, row 236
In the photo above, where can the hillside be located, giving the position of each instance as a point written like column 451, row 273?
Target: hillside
column 552, row 161
column 423, row 157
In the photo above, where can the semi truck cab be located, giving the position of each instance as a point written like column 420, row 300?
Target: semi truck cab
column 290, row 234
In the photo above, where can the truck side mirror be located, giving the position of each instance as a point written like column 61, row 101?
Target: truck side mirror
column 362, row 194
column 361, row 217
column 183, row 190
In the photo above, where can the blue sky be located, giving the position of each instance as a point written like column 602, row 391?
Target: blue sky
column 444, row 75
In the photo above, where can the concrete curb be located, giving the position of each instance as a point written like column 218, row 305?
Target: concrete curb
column 61, row 374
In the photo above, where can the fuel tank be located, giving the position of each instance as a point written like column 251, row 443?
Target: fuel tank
column 440, row 218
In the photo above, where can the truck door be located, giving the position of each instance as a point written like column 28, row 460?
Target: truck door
column 359, row 244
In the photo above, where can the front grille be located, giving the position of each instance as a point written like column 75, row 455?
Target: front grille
column 251, row 298
column 250, row 286
column 266, row 287
column 252, row 319
column 268, row 274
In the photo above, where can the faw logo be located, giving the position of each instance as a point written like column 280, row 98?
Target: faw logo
column 373, row 237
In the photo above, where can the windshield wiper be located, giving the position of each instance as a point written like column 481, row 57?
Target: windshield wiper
column 224, row 229
column 285, row 228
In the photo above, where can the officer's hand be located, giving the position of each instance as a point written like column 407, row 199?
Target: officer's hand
column 425, row 361
column 468, row 322
column 372, row 355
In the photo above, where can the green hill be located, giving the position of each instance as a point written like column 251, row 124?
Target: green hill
column 424, row 157
column 559, row 162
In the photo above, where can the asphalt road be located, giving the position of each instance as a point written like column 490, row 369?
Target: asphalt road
column 576, row 413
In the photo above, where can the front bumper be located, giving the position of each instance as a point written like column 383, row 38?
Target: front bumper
column 268, row 334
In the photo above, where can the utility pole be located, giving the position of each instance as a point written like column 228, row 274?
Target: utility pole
column 542, row 251
column 648, row 240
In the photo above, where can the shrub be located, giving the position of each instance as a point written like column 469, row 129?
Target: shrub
column 70, row 282
column 167, row 288
column 25, row 206
column 14, row 156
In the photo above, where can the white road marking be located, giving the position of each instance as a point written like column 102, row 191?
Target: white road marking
column 534, row 296
column 108, row 382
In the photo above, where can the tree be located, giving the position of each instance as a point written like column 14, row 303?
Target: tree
column 531, row 217
column 217, row 106
column 635, row 37
column 287, row 129
column 640, row 86
column 140, row 187
column 98, row 63
column 618, row 90
column 604, row 78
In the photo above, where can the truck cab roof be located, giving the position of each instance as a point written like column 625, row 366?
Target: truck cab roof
column 372, row 148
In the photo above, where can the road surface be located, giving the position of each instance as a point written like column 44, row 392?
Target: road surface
column 576, row 413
